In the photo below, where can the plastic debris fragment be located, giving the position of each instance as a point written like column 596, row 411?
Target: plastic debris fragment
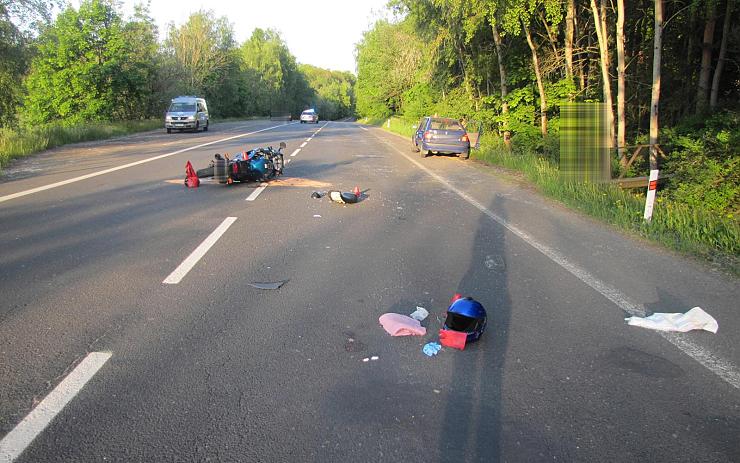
column 343, row 197
column 431, row 348
column 268, row 285
column 419, row 314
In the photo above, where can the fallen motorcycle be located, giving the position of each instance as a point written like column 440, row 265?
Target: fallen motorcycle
column 257, row 165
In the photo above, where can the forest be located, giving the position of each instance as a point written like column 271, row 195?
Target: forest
column 511, row 64
column 93, row 64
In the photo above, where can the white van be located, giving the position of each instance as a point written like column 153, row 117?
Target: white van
column 187, row 112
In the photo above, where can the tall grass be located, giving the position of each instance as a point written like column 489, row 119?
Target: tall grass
column 688, row 229
column 394, row 124
column 702, row 233
column 16, row 143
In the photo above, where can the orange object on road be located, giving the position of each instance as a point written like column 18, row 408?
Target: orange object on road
column 454, row 339
column 191, row 180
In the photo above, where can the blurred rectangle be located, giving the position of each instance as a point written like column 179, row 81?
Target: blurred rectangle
column 584, row 142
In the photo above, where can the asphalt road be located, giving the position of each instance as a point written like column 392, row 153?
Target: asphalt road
column 212, row 369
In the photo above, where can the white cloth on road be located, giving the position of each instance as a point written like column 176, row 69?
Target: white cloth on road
column 694, row 319
column 419, row 314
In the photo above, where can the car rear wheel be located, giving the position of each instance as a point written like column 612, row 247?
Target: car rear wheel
column 205, row 129
column 169, row 130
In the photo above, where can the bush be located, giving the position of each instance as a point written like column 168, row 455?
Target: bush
column 704, row 159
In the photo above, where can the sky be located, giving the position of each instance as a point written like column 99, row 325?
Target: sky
column 322, row 33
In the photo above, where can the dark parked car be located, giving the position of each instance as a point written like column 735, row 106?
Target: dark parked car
column 441, row 135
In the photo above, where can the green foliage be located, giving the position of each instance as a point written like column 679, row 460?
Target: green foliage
column 417, row 100
column 19, row 20
column 389, row 60
column 90, row 66
column 272, row 78
column 334, row 90
column 675, row 224
column 704, row 159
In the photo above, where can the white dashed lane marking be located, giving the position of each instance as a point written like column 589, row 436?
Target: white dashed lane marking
column 256, row 192
column 17, row 440
column 721, row 367
column 126, row 166
column 179, row 273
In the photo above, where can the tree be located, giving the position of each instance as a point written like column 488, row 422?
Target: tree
column 702, row 90
column 722, row 55
column 601, row 34
column 84, row 69
column 19, row 21
column 518, row 18
column 274, row 81
column 333, row 90
column 655, row 97
column 200, row 48
column 389, row 60
column 621, row 87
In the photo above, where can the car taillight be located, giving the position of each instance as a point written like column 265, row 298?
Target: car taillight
column 427, row 135
column 465, row 138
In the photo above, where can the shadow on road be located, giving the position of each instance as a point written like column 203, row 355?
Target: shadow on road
column 472, row 423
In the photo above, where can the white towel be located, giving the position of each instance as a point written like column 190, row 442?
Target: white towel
column 694, row 319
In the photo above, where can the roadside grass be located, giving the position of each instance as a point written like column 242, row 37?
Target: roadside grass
column 708, row 235
column 397, row 125
column 23, row 142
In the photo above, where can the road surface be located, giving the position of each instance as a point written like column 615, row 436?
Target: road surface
column 116, row 346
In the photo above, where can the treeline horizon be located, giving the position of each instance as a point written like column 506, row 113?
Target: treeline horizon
column 93, row 64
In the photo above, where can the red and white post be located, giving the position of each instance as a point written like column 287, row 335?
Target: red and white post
column 650, row 199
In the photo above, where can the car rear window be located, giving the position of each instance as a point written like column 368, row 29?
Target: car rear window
column 307, row 113
column 445, row 124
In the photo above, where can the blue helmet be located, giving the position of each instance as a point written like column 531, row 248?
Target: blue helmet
column 468, row 316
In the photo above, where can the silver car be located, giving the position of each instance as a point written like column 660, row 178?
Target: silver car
column 309, row 115
column 187, row 113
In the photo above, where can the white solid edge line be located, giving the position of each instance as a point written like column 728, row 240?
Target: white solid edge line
column 179, row 273
column 309, row 139
column 17, row 440
column 295, row 152
column 717, row 365
column 256, row 192
column 126, row 166
column 363, row 128
column 304, row 144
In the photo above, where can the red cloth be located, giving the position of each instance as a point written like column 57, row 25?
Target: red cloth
column 191, row 180
column 455, row 339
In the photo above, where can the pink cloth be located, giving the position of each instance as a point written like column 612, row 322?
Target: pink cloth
column 401, row 325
